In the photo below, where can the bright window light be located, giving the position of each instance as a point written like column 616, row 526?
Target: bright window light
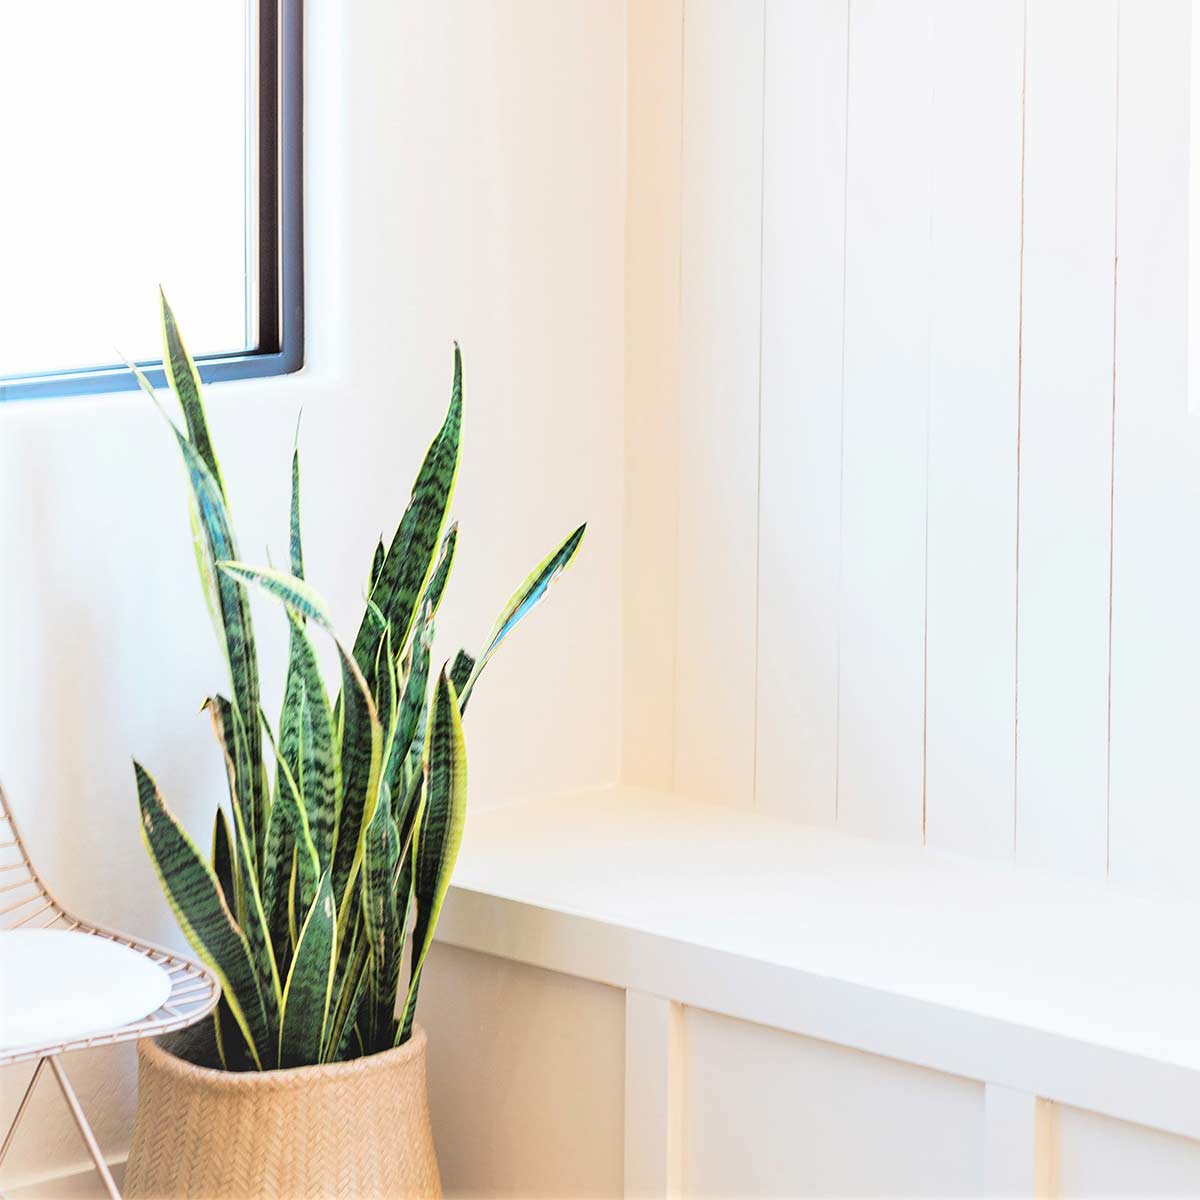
column 130, row 140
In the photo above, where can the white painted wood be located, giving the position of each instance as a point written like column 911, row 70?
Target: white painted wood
column 525, row 1078
column 719, row 387
column 654, row 97
column 1016, row 1144
column 654, row 1098
column 1066, row 434
column 1193, row 313
column 1097, row 1156
column 771, row 1114
column 975, row 253
column 991, row 972
column 1154, row 821
column 804, row 147
column 888, row 207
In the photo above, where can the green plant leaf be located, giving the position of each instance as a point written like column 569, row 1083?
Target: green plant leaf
column 410, row 558
column 223, row 858
column 251, row 916
column 291, row 863
column 237, row 639
column 338, row 1049
column 295, row 593
column 195, row 897
column 440, row 829
column 309, row 984
column 376, row 565
column 295, row 547
column 381, row 853
column 412, row 711
column 531, row 592
column 185, row 383
column 361, row 739
column 460, row 672
column 432, row 600
column 307, row 744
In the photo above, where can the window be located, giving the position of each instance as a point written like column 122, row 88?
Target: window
column 148, row 143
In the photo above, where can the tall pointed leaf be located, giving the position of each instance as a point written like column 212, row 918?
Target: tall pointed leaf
column 252, row 916
column 441, row 573
column 185, row 383
column 440, row 832
column 381, row 853
column 306, row 742
column 460, row 672
column 238, row 643
column 356, row 991
column 222, row 857
column 309, row 984
column 531, row 592
column 292, row 864
column 195, row 897
column 295, row 546
column 412, row 700
column 410, row 557
column 376, row 565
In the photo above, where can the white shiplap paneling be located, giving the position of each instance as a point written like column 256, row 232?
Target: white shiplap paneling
column 718, row 427
column 973, row 381
column 1066, row 434
column 804, row 145
column 941, row 192
column 888, row 209
column 1154, row 820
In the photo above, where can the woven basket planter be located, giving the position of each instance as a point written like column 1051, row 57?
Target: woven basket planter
column 353, row 1129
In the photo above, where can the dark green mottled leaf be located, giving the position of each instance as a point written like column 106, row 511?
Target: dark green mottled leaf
column 309, row 984
column 185, row 383
column 238, row 643
column 410, row 557
column 252, row 916
column 381, row 853
column 361, row 741
column 295, row 548
column 195, row 897
column 439, row 830
column 460, row 672
column 307, row 744
column 356, row 991
column 531, row 592
column 376, row 565
column 222, row 858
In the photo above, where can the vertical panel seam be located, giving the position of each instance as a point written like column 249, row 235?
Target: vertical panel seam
column 837, row 686
column 928, row 414
column 1112, row 478
column 678, row 400
column 1020, row 400
column 762, row 191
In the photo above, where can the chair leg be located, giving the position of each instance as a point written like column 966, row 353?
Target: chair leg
column 85, row 1130
column 12, row 1129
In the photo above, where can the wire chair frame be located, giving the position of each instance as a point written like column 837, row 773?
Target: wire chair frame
column 26, row 902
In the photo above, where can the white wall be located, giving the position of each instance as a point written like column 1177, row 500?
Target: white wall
column 937, row 486
column 464, row 179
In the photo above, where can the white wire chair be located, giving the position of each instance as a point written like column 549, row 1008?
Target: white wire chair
column 27, row 903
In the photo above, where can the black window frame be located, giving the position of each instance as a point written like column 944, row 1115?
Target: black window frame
column 278, row 118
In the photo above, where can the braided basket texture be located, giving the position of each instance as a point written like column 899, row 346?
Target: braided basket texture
column 355, row 1129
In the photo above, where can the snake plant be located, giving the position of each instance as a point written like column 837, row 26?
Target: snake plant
column 321, row 866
